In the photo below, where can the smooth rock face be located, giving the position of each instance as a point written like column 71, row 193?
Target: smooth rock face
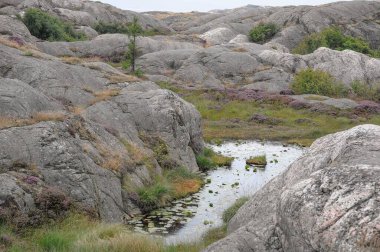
column 15, row 28
column 19, row 100
column 111, row 46
column 326, row 201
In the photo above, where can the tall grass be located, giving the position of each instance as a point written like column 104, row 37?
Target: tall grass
column 209, row 160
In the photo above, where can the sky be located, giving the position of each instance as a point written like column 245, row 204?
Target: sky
column 202, row 5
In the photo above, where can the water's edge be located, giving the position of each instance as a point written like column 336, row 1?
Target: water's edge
column 186, row 220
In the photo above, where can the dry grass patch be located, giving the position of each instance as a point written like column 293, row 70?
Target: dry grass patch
column 112, row 160
column 137, row 154
column 77, row 110
column 49, row 116
column 72, row 60
column 120, row 78
column 8, row 122
column 184, row 187
column 104, row 95
column 239, row 49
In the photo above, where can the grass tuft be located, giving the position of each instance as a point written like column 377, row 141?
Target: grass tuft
column 258, row 160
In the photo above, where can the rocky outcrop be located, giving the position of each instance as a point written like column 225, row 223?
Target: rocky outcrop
column 357, row 18
column 85, row 135
column 88, row 13
column 262, row 67
column 326, row 201
column 111, row 46
column 13, row 27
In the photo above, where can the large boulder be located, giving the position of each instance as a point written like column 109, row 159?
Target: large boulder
column 218, row 36
column 14, row 28
column 326, row 201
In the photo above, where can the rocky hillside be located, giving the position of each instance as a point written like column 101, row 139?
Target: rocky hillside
column 326, row 201
column 79, row 130
column 82, row 133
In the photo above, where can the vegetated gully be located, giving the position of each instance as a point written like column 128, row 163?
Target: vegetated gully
column 186, row 220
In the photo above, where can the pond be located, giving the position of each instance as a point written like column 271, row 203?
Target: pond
column 186, row 220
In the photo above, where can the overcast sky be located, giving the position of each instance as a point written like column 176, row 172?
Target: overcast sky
column 202, row 5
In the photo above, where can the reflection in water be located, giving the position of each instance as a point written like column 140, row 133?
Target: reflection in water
column 188, row 219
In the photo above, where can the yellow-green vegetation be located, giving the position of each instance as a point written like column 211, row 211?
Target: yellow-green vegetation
column 232, row 210
column 213, row 234
column 310, row 81
column 364, row 91
column 229, row 119
column 263, row 32
column 333, row 37
column 173, row 184
column 78, row 233
column 209, row 160
column 258, row 160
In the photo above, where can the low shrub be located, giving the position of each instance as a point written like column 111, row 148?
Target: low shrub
column 309, row 81
column 103, row 28
column 263, row 32
column 365, row 91
column 232, row 210
column 333, row 38
column 47, row 27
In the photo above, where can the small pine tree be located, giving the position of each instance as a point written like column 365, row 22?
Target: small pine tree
column 134, row 30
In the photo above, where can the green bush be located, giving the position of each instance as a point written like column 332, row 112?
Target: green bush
column 309, row 81
column 365, row 91
column 232, row 210
column 263, row 32
column 47, row 27
column 103, row 28
column 333, row 38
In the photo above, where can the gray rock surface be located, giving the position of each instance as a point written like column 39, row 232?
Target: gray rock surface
column 14, row 27
column 357, row 18
column 111, row 46
column 88, row 13
column 83, row 153
column 218, row 36
column 326, row 201
column 51, row 77
column 257, row 66
column 19, row 100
